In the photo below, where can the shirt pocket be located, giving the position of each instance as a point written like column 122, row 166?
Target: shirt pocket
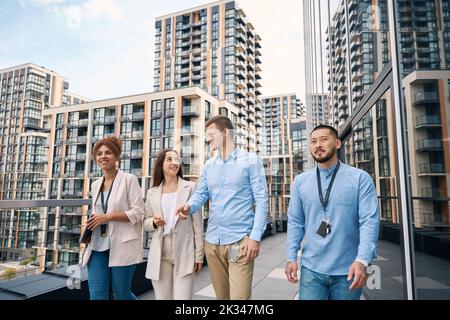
column 345, row 196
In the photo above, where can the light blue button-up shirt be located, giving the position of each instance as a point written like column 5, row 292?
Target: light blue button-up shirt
column 233, row 186
column 353, row 213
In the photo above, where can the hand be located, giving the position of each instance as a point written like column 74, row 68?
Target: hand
column 250, row 250
column 291, row 271
column 97, row 219
column 183, row 211
column 158, row 221
column 358, row 271
column 198, row 266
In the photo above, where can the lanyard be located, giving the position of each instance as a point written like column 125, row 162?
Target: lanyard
column 323, row 201
column 102, row 199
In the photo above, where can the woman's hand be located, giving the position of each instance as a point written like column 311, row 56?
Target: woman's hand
column 97, row 219
column 158, row 221
column 198, row 266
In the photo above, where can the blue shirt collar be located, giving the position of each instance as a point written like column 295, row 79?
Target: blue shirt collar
column 233, row 155
column 328, row 171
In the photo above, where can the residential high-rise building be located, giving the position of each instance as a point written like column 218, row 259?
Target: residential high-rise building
column 26, row 91
column 283, row 150
column 214, row 47
column 424, row 45
column 146, row 123
column 357, row 68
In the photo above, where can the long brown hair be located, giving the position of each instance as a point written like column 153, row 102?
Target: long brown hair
column 158, row 173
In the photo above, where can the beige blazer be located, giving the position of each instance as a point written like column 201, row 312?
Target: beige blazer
column 187, row 233
column 125, row 237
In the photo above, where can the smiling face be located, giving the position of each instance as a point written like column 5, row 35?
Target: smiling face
column 171, row 164
column 106, row 159
column 323, row 145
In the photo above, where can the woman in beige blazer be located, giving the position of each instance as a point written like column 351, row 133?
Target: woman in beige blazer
column 116, row 244
column 176, row 250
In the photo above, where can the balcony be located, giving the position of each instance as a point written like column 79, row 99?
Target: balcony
column 138, row 116
column 190, row 130
column 79, row 123
column 137, row 134
column 189, row 111
column 428, row 122
column 431, row 168
column 189, row 150
column 136, row 171
column 109, row 119
column 136, row 154
column 191, row 170
column 76, row 157
column 156, row 114
column 422, row 97
column 72, row 193
column 428, row 145
column 433, row 193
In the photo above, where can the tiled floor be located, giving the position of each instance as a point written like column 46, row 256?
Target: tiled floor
column 269, row 281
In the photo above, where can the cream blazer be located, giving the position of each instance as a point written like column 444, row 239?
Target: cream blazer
column 187, row 233
column 125, row 237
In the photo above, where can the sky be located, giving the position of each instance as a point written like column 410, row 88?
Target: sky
column 105, row 48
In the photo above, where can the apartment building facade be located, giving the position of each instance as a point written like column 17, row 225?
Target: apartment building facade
column 284, row 152
column 214, row 47
column 146, row 124
column 26, row 91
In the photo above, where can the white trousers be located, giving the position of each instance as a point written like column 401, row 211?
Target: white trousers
column 170, row 286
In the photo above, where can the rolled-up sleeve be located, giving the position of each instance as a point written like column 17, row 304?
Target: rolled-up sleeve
column 136, row 212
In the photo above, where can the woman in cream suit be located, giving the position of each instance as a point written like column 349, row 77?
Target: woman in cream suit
column 116, row 223
column 176, row 250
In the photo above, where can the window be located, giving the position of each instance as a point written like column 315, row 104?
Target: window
column 168, row 126
column 156, row 126
column 169, row 105
column 156, row 108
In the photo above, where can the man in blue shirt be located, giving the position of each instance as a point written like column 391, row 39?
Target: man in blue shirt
column 334, row 210
column 233, row 181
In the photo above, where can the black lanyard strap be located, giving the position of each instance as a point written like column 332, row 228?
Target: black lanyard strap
column 102, row 197
column 323, row 201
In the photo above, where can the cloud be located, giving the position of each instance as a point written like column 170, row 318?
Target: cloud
column 75, row 14
column 39, row 3
column 106, row 8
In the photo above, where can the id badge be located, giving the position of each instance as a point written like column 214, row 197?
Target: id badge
column 234, row 250
column 324, row 228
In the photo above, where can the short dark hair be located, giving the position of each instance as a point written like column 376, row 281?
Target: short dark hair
column 324, row 126
column 221, row 122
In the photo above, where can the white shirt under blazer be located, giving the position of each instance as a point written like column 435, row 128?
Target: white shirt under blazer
column 187, row 233
column 126, row 245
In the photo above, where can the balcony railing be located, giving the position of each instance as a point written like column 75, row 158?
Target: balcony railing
column 425, row 97
column 189, row 111
column 425, row 121
column 431, row 168
column 189, row 150
column 429, row 145
column 190, row 130
column 434, row 193
column 191, row 170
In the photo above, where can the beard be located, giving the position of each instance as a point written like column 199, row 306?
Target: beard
column 325, row 157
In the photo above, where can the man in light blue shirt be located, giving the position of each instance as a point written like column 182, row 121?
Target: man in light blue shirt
column 334, row 210
column 235, row 183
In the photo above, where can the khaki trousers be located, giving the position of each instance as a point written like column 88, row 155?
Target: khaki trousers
column 231, row 280
column 170, row 286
